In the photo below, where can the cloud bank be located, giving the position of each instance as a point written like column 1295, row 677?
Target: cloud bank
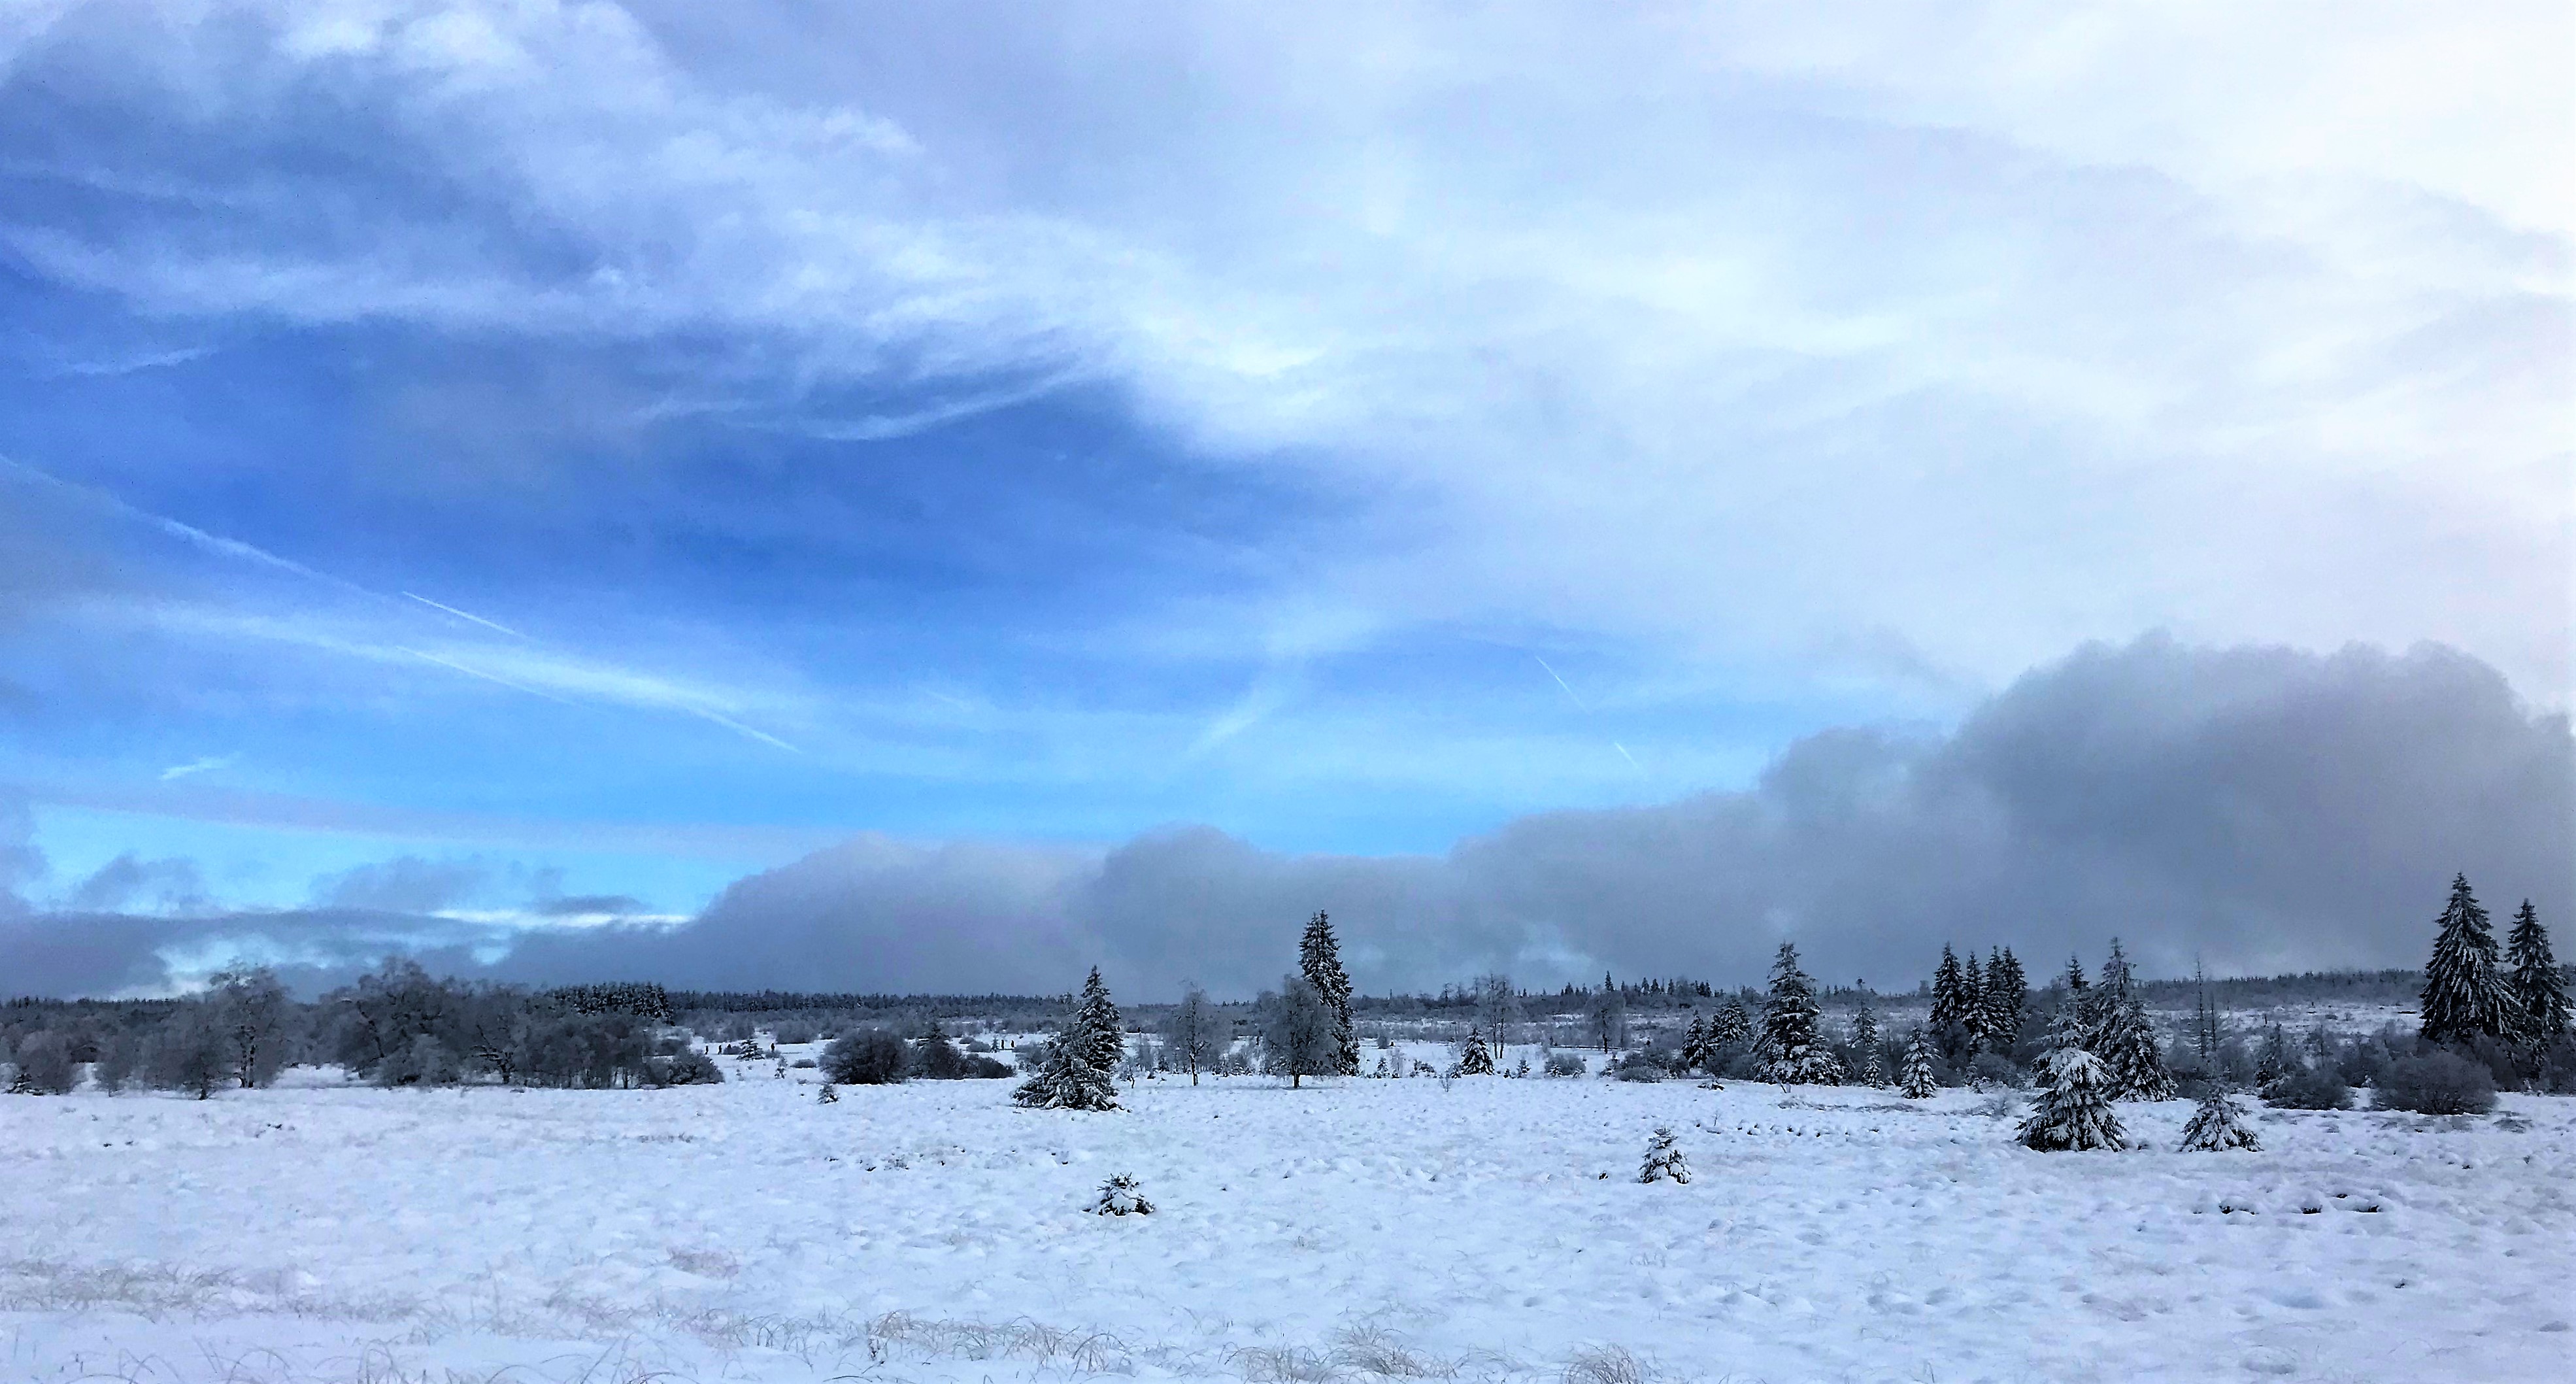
column 2256, row 809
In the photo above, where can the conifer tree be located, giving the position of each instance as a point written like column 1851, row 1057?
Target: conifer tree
column 2073, row 1112
column 1476, row 1059
column 1972, row 1004
column 2539, row 987
column 1729, row 1027
column 2217, row 1125
column 830, row 1096
column 1077, row 1072
column 2007, row 993
column 2071, row 980
column 1119, row 1196
column 2130, row 1053
column 1663, row 1159
column 2462, row 997
column 1949, row 992
column 1319, row 959
column 1917, row 1083
column 1872, row 1071
column 1695, row 1053
column 1789, row 1047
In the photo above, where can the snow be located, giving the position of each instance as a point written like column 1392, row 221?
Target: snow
column 932, row 1231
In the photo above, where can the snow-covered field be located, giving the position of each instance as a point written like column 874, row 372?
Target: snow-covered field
column 1488, row 1230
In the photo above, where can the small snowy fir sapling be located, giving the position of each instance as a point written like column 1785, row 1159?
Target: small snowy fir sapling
column 830, row 1095
column 1475, row 1060
column 1864, row 1037
column 1917, row 1082
column 1522, row 1069
column 1663, row 1158
column 1118, row 1197
column 2217, row 1125
column 2074, row 1110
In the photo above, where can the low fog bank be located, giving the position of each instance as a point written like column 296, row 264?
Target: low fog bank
column 2257, row 809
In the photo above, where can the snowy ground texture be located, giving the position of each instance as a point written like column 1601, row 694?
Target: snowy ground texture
column 1362, row 1230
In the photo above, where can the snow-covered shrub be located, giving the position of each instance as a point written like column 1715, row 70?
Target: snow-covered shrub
column 2309, row 1086
column 2217, row 1125
column 1566, row 1064
column 2439, row 1082
column 1663, row 1158
column 831, row 1095
column 686, row 1068
column 2074, row 1109
column 45, row 1066
column 118, row 1056
column 1119, row 1197
column 795, row 1033
column 868, row 1057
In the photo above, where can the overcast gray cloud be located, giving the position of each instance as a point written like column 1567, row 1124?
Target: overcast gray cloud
column 2259, row 808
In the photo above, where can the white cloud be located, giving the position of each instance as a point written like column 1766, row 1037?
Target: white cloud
column 1729, row 330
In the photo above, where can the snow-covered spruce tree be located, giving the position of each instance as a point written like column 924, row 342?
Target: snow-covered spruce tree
column 2006, row 994
column 2217, row 1125
column 1916, row 1082
column 1864, row 1037
column 1729, row 1027
column 1972, row 1004
column 2130, row 1052
column 1695, row 1051
column 1119, row 1197
column 831, row 1095
column 1319, row 959
column 1474, row 1059
column 2539, row 987
column 1791, row 1052
column 2074, row 1109
column 1663, row 1159
column 1076, row 1074
column 1950, row 999
column 2462, row 997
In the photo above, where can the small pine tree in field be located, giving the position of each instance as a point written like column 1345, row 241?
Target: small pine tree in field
column 1916, row 1083
column 2217, row 1125
column 1865, row 1045
column 1475, row 1060
column 1695, row 1046
column 2074, row 1110
column 2539, row 987
column 1663, row 1159
column 1077, row 1072
column 1791, row 1050
column 2462, row 998
column 1119, row 1197
column 830, row 1096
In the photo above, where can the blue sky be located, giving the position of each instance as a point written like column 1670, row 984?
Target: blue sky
column 611, row 449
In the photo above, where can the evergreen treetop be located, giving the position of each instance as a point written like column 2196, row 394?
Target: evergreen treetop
column 1949, row 991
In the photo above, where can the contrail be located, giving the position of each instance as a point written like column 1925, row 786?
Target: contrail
column 1561, row 682
column 467, row 615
